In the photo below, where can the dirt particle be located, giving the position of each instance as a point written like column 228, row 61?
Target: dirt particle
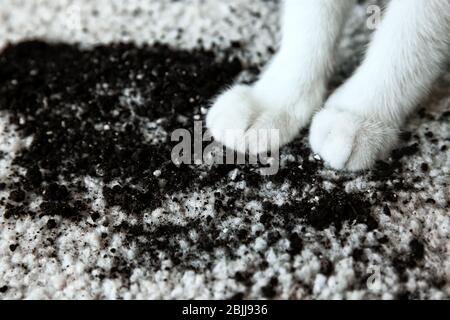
column 51, row 224
column 270, row 290
column 424, row 167
column 417, row 249
column 95, row 216
column 237, row 296
column 296, row 244
column 34, row 176
column 326, row 267
column 17, row 195
column 387, row 211
column 358, row 254
column 244, row 277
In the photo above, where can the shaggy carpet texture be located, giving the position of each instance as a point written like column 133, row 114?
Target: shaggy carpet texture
column 92, row 208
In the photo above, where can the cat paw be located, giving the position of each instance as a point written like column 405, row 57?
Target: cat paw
column 240, row 122
column 348, row 141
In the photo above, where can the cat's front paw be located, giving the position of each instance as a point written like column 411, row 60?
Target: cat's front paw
column 240, row 122
column 348, row 141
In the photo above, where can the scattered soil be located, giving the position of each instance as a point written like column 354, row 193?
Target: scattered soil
column 90, row 113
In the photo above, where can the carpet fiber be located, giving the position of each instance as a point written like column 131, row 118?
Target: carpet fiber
column 92, row 207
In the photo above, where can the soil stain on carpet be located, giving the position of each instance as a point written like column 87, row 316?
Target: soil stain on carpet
column 107, row 113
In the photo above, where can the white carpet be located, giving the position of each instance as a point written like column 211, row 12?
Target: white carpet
column 331, row 264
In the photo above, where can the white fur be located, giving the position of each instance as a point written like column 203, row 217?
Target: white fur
column 403, row 61
column 361, row 120
column 293, row 85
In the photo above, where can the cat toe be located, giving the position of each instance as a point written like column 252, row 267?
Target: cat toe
column 271, row 130
column 238, row 121
column 348, row 141
column 230, row 117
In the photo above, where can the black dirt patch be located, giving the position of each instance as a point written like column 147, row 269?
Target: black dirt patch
column 91, row 112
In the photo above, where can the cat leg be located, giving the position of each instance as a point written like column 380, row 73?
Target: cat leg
column 361, row 121
column 293, row 85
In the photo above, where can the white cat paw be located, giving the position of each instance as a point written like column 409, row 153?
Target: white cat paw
column 239, row 122
column 348, row 141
